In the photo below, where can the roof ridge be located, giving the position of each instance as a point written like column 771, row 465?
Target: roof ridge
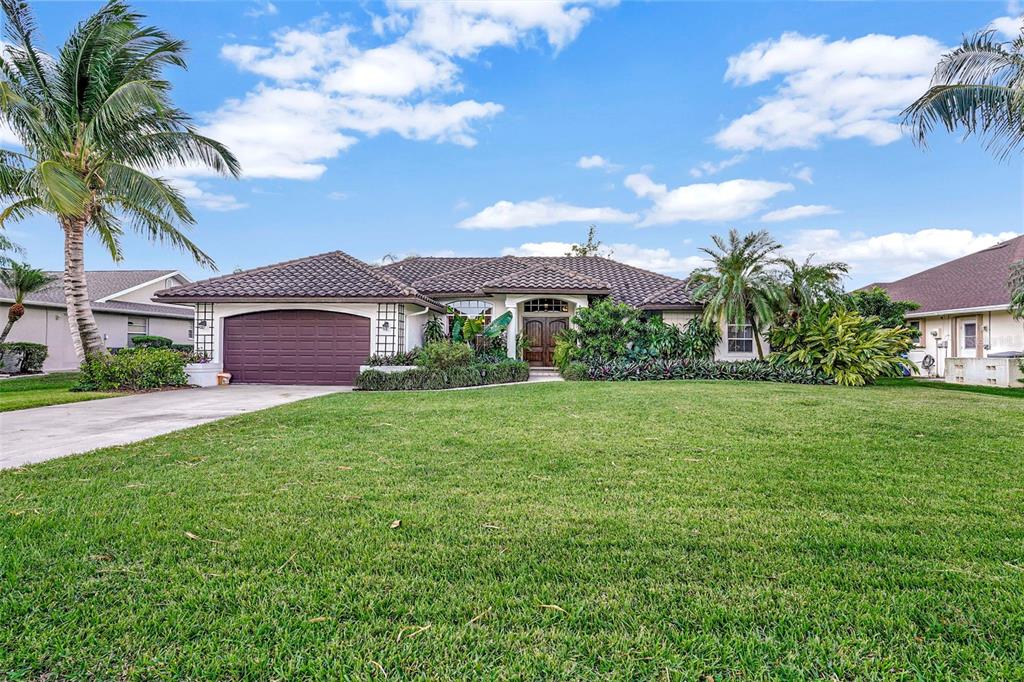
column 232, row 275
column 405, row 289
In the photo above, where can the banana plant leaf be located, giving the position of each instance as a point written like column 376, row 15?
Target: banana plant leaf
column 457, row 330
column 498, row 325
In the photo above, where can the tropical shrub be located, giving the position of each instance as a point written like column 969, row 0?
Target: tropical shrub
column 426, row 379
column 408, row 358
column 606, row 329
column 652, row 369
column 845, row 346
column 876, row 302
column 574, row 371
column 698, row 341
column 444, row 356
column 433, row 330
column 35, row 354
column 150, row 341
column 183, row 347
column 134, row 369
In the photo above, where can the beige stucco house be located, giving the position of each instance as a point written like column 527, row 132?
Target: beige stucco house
column 122, row 303
column 317, row 319
column 964, row 313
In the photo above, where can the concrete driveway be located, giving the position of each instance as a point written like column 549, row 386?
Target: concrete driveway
column 42, row 433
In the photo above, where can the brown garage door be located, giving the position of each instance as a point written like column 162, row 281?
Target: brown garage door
column 295, row 347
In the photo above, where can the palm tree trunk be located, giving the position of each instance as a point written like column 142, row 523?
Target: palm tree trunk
column 84, row 332
column 7, row 329
column 757, row 338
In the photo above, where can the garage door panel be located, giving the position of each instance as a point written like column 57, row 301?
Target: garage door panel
column 295, row 347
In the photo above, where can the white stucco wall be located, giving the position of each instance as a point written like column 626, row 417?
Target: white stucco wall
column 49, row 326
column 680, row 319
column 941, row 336
column 145, row 294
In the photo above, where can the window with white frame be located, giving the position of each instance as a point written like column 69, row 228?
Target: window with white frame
column 915, row 325
column 970, row 334
column 740, row 338
column 545, row 305
column 138, row 326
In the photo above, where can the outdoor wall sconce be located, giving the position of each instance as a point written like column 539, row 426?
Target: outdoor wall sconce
column 386, row 326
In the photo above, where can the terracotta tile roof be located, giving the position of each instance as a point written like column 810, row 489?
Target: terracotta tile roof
column 978, row 280
column 415, row 268
column 335, row 275
column 103, row 283
column 546, row 278
column 676, row 295
column 626, row 283
column 470, row 278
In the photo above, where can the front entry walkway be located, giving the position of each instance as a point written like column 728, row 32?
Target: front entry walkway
column 42, row 433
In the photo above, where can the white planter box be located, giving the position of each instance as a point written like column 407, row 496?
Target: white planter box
column 1003, row 372
column 203, row 374
column 387, row 369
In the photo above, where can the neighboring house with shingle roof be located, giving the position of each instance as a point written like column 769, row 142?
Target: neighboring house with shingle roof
column 965, row 305
column 317, row 319
column 122, row 303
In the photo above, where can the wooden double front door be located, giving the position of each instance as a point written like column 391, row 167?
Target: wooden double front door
column 541, row 331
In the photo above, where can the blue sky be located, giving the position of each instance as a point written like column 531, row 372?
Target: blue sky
column 487, row 129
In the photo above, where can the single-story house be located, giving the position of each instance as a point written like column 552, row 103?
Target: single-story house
column 122, row 305
column 317, row 319
column 965, row 307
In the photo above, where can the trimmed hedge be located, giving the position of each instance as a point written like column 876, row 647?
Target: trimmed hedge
column 35, row 354
column 150, row 341
column 655, row 369
column 134, row 369
column 183, row 347
column 395, row 359
column 426, row 379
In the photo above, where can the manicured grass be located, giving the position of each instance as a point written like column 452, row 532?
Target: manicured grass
column 49, row 389
column 661, row 530
column 943, row 386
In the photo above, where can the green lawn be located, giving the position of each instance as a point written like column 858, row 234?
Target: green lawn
column 943, row 386
column 662, row 530
column 48, row 389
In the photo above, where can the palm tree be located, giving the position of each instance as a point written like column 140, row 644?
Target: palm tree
column 1017, row 289
column 979, row 88
column 741, row 285
column 807, row 284
column 95, row 123
column 22, row 279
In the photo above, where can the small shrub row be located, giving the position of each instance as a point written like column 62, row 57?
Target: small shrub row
column 35, row 354
column 134, row 369
column 428, row 379
column 150, row 341
column 654, row 369
column 395, row 359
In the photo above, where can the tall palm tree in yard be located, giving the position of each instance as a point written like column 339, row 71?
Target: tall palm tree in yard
column 808, row 284
column 741, row 286
column 1017, row 289
column 977, row 88
column 96, row 122
column 22, row 279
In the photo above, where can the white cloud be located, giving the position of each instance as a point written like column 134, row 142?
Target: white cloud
column 712, row 167
column 840, row 89
column 728, row 200
column 594, row 161
column 803, row 173
column 7, row 135
column 656, row 259
column 796, row 212
column 209, row 200
column 297, row 54
column 263, row 8
column 337, row 196
column 1008, row 27
column 464, row 28
column 890, row 256
column 392, row 71
column 506, row 215
column 323, row 89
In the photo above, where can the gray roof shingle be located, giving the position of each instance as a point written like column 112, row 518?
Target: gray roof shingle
column 103, row 283
column 546, row 278
column 978, row 280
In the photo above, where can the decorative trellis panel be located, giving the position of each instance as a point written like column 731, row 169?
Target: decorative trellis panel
column 390, row 328
column 204, row 330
